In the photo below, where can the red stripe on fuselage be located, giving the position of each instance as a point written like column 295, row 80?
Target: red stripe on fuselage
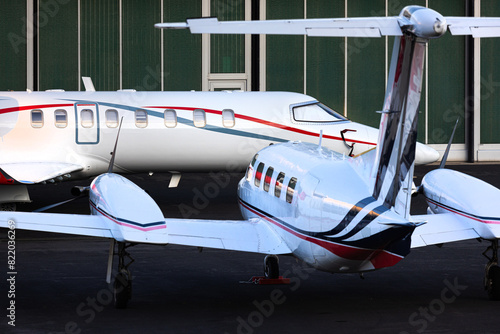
column 379, row 258
column 261, row 121
column 36, row 106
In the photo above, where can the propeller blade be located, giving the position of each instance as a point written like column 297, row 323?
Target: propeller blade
column 48, row 207
column 112, row 160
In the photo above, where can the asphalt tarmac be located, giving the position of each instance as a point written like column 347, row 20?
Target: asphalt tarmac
column 60, row 282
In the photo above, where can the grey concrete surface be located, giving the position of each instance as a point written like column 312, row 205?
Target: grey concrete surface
column 60, row 283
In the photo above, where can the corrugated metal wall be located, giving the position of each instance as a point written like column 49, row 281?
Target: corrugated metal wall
column 115, row 43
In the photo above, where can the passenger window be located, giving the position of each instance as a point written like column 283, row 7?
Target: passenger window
column 87, row 118
column 228, row 118
column 111, row 118
column 291, row 189
column 258, row 174
column 199, row 118
column 61, row 118
column 267, row 179
column 170, row 117
column 36, row 118
column 279, row 184
column 141, row 118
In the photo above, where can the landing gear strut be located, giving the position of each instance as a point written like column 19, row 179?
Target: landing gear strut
column 271, row 267
column 122, row 286
column 492, row 272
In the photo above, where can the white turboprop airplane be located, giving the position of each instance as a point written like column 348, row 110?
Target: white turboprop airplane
column 52, row 136
column 337, row 213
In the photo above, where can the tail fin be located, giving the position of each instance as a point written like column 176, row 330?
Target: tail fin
column 393, row 168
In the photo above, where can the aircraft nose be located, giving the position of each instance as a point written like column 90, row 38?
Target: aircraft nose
column 425, row 154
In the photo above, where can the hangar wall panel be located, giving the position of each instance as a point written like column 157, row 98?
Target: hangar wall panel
column 58, row 38
column 490, row 80
column 100, row 43
column 325, row 58
column 285, row 54
column 446, row 80
column 182, row 51
column 13, row 45
column 141, row 45
column 365, row 67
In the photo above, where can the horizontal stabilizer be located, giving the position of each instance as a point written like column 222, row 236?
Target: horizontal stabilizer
column 475, row 26
column 439, row 229
column 352, row 27
column 37, row 172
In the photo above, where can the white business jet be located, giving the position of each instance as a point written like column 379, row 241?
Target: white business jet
column 336, row 213
column 52, row 136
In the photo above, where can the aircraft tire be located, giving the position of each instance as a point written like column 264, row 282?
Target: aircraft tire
column 122, row 290
column 271, row 267
column 493, row 287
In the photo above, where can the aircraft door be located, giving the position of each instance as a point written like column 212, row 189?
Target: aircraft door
column 87, row 123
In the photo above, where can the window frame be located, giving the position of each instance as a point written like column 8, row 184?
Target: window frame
column 168, row 123
column 278, row 184
column 258, row 174
column 37, row 124
column 231, row 121
column 290, row 190
column 59, row 124
column 268, row 178
column 109, row 123
column 138, row 122
column 83, row 121
column 198, row 123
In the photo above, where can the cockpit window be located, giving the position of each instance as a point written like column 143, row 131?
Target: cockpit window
column 316, row 112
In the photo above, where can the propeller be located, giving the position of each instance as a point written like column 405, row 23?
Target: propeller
column 79, row 191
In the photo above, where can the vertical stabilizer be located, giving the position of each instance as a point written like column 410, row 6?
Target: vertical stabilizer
column 393, row 168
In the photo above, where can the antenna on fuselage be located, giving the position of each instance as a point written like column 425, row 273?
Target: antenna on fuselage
column 320, row 139
column 445, row 155
column 113, row 153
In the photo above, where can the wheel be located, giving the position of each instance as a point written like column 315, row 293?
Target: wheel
column 122, row 289
column 493, row 283
column 271, row 267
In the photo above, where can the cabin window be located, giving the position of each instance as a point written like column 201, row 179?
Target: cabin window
column 170, row 117
column 258, row 174
column 291, row 189
column 141, row 118
column 228, row 118
column 61, row 118
column 199, row 118
column 111, row 118
column 87, row 118
column 279, row 184
column 36, row 118
column 267, row 179
column 316, row 112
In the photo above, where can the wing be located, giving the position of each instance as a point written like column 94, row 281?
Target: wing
column 441, row 228
column 352, row 27
column 94, row 226
column 36, row 172
column 475, row 26
column 253, row 235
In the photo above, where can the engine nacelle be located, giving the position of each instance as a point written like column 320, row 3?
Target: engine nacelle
column 451, row 191
column 423, row 22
